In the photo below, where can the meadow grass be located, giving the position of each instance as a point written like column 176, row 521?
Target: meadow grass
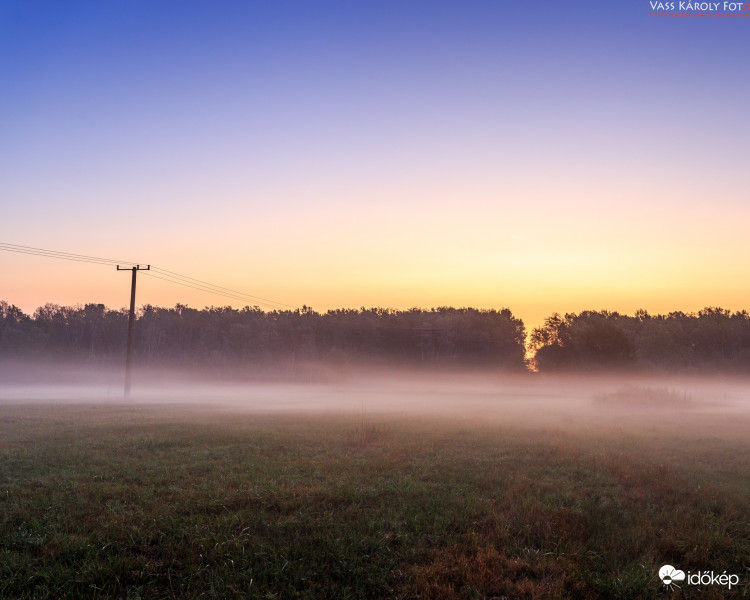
column 182, row 502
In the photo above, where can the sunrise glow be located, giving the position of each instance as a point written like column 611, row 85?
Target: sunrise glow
column 584, row 156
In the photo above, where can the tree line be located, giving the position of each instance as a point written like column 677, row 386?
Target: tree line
column 440, row 337
column 711, row 339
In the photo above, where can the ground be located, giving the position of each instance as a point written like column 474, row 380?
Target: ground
column 155, row 500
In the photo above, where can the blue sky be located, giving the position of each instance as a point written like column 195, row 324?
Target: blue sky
column 546, row 156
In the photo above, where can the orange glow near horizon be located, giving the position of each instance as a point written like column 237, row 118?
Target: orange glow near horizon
column 450, row 255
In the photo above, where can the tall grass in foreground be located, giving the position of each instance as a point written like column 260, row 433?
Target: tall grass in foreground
column 117, row 502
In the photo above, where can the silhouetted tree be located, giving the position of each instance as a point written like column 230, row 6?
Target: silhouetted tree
column 711, row 339
column 221, row 335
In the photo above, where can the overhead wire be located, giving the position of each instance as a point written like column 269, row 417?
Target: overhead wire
column 203, row 289
column 61, row 255
column 96, row 262
column 192, row 279
column 164, row 274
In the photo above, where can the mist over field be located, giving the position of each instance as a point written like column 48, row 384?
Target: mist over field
column 467, row 395
column 439, row 477
column 331, row 482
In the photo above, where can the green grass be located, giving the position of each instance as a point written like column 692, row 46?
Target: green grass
column 149, row 502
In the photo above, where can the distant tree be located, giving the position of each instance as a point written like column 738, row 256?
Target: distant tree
column 15, row 329
column 709, row 340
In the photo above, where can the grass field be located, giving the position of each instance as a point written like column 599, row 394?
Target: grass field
column 183, row 502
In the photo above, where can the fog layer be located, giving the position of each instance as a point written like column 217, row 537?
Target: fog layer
column 474, row 397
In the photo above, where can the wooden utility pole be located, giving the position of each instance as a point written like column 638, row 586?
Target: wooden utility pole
column 131, row 319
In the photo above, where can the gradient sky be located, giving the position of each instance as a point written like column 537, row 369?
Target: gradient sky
column 544, row 156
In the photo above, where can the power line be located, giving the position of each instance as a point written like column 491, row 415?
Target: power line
column 60, row 255
column 167, row 275
column 197, row 284
column 76, row 258
column 203, row 289
column 192, row 279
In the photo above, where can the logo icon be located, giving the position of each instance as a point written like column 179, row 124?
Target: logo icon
column 669, row 575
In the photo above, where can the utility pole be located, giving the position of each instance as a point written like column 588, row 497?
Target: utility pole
column 131, row 319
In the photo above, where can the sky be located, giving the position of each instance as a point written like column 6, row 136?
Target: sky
column 542, row 156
